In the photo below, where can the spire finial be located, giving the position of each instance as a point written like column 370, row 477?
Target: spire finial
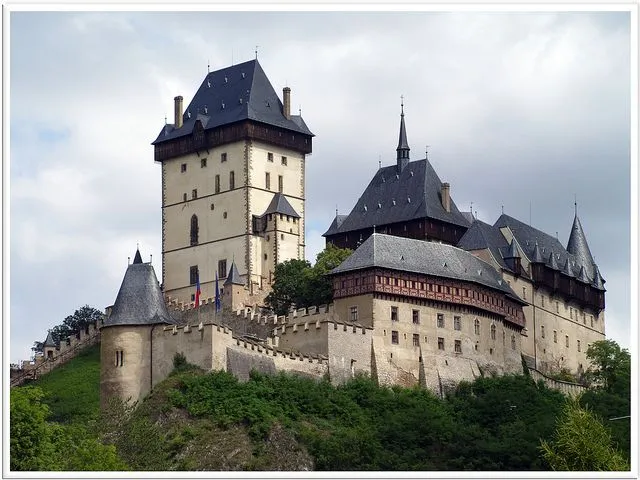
column 257, row 51
column 502, row 209
column 208, row 67
column 300, row 110
column 379, row 162
column 575, row 204
column 165, row 119
column 374, row 228
column 401, row 104
column 336, row 209
column 426, row 152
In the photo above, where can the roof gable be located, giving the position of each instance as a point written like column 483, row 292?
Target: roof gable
column 280, row 204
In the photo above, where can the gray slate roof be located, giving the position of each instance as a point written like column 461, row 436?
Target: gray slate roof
column 280, row 204
column 482, row 236
column 139, row 300
column 430, row 258
column 335, row 225
column 416, row 192
column 49, row 340
column 246, row 93
column 234, row 276
column 578, row 246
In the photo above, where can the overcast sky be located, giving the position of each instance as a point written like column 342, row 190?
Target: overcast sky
column 518, row 110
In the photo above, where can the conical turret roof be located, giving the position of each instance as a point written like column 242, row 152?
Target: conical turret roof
column 552, row 262
column 139, row 300
column 567, row 268
column 536, row 256
column 49, row 342
column 234, row 276
column 578, row 247
column 598, row 282
column 513, row 250
column 582, row 276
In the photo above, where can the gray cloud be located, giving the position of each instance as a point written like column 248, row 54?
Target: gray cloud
column 517, row 108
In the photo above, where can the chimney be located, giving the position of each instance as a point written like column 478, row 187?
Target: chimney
column 177, row 111
column 446, row 199
column 286, row 102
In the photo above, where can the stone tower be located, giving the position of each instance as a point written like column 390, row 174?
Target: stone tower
column 224, row 161
column 126, row 343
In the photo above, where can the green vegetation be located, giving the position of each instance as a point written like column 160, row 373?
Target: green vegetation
column 72, row 324
column 297, row 283
column 582, row 443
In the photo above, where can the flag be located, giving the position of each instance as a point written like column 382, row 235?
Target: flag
column 197, row 291
column 217, row 294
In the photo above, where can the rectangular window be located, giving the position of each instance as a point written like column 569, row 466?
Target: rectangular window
column 524, row 293
column 591, row 316
column 557, row 307
column 457, row 346
column 280, row 183
column 183, row 167
column 217, row 184
column 457, row 323
column 542, row 300
column 194, row 193
column 555, row 336
column 394, row 337
column 415, row 316
column 284, row 160
column 394, row 314
column 269, row 157
column 542, row 331
column 232, row 180
column 579, row 346
column 184, row 197
column 440, row 343
column 267, row 181
column 354, row 314
column 571, row 313
column 416, row 340
column 193, row 274
column 203, row 162
column 440, row 318
column 222, row 268
column 566, row 341
column 223, row 157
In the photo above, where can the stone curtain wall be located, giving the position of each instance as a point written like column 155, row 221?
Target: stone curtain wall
column 568, row 388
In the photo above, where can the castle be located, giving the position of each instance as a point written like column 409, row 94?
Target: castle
column 430, row 296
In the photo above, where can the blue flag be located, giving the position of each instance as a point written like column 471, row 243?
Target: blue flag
column 218, row 306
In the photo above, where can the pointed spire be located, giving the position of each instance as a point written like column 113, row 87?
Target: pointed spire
column 233, row 278
column 49, row 340
column 536, row 257
column 582, row 276
column 138, row 257
column 552, row 262
column 567, row 268
column 578, row 246
column 403, row 145
column 598, row 282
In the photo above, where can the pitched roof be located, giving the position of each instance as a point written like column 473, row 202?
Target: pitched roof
column 394, row 196
column 233, row 94
column 49, row 342
column 482, row 236
column 418, row 256
column 280, row 204
column 577, row 246
column 513, row 250
column 139, row 300
column 234, row 276
column 335, row 225
column 536, row 256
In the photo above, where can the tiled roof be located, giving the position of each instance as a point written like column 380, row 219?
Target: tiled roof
column 233, row 94
column 394, row 196
column 280, row 204
column 482, row 236
column 418, row 256
column 139, row 300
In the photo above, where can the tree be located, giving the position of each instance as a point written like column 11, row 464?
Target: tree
column 610, row 366
column 38, row 347
column 581, row 443
column 320, row 284
column 82, row 318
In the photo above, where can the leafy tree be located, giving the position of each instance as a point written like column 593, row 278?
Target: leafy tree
column 320, row 284
column 38, row 347
column 60, row 332
column 82, row 318
column 610, row 366
column 581, row 443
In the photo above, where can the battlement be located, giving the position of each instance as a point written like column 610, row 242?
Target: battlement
column 273, row 351
column 345, row 326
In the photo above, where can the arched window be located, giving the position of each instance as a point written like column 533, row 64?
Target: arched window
column 194, row 230
column 476, row 326
column 493, row 331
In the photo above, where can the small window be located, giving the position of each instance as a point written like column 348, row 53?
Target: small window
column 524, row 293
column 440, row 343
column 267, row 181
column 222, row 268
column 265, row 257
column 394, row 337
column 566, row 341
column 354, row 314
column 194, row 230
column 280, row 183
column 193, row 274
column 457, row 323
column 557, row 307
column 212, row 206
column 476, row 326
column 415, row 316
column 284, row 160
column 571, row 313
column 513, row 342
column 184, row 197
column 591, row 316
column 224, row 215
column 223, row 157
column 232, row 180
column 203, row 162
column 440, row 320
column 493, row 331
column 269, row 157
column 555, row 336
column 183, row 168
column 119, row 358
column 579, row 348
column 394, row 314
column 217, row 184
column 457, row 346
column 194, row 193
column 416, row 340
column 542, row 331
column 542, row 300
